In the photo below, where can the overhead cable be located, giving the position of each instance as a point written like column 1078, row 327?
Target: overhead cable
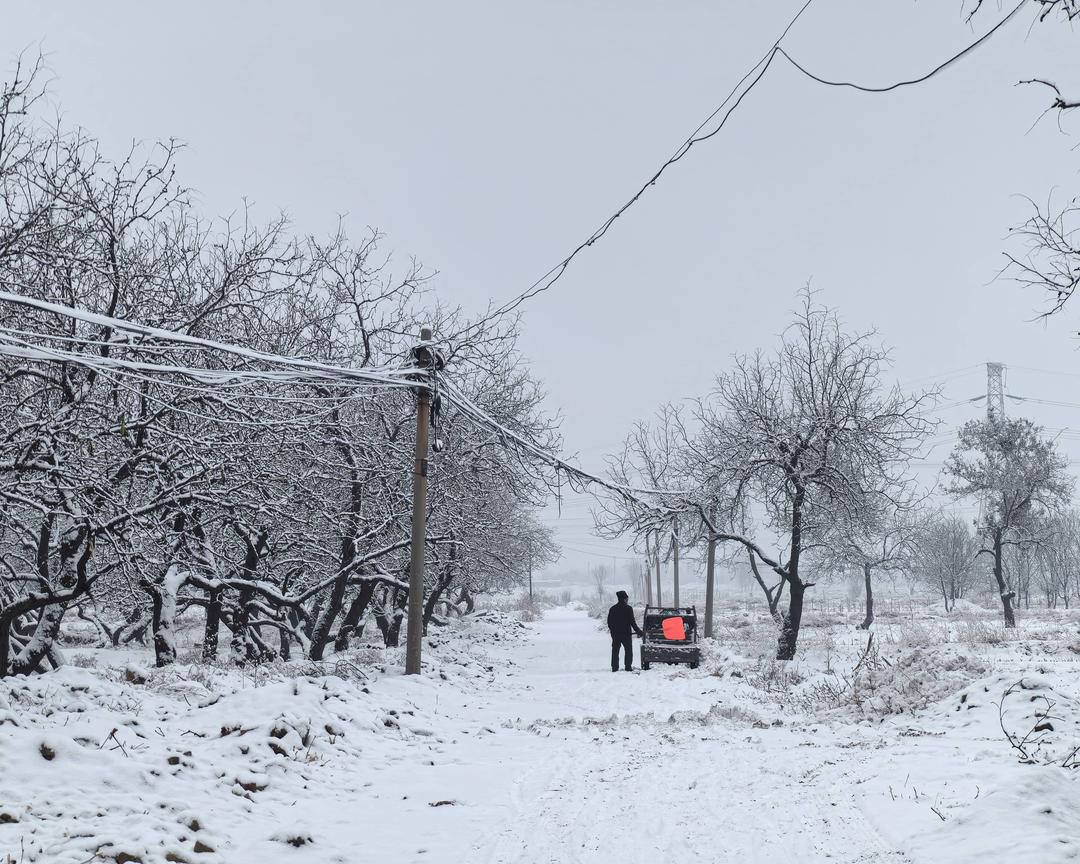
column 302, row 368
column 735, row 98
column 867, row 88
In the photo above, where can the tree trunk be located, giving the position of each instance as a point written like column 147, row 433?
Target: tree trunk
column 430, row 602
column 381, row 620
column 164, row 649
column 55, row 656
column 321, row 635
column 389, row 614
column 710, row 576
column 789, row 631
column 246, row 643
column 675, row 567
column 284, row 644
column 5, row 643
column 394, row 631
column 313, row 619
column 162, row 621
column 999, row 576
column 37, row 649
column 137, row 633
column 352, row 617
column 240, row 648
column 659, row 587
column 772, row 595
column 213, row 626
column 868, row 580
column 446, row 578
column 467, row 598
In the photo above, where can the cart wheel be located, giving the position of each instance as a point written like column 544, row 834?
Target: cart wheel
column 693, row 665
column 644, row 665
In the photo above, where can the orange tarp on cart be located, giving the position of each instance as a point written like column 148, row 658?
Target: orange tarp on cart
column 674, row 629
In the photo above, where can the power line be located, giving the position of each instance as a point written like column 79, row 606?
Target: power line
column 1052, row 402
column 754, row 75
column 949, row 405
column 911, row 81
column 944, row 376
column 606, row 555
column 301, row 369
column 630, row 494
column 555, row 273
column 1045, row 371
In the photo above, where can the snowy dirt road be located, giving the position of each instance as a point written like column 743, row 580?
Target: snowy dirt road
column 591, row 766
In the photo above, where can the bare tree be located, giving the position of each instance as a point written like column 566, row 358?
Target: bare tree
column 600, row 580
column 880, row 536
column 160, row 455
column 798, row 437
column 1019, row 476
column 1058, row 558
column 1051, row 259
column 652, row 461
column 944, row 557
column 1050, row 256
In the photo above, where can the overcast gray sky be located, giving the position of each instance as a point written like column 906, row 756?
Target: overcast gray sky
column 487, row 139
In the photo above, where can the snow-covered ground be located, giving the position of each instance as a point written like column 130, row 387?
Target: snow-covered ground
column 519, row 745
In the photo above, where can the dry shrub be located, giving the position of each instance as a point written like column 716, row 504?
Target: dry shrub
column 915, row 633
column 913, row 679
column 775, row 677
column 530, row 614
column 974, row 632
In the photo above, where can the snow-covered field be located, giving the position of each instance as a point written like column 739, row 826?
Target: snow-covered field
column 519, row 745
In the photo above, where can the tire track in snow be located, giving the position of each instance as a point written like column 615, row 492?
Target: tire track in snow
column 690, row 789
column 633, row 794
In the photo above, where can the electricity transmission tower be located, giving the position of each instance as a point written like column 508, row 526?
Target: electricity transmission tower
column 995, row 408
column 995, row 391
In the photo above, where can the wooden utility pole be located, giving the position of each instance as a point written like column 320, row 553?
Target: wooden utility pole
column 675, row 560
column 710, row 570
column 415, row 633
column 659, row 588
column 530, row 571
column 647, row 571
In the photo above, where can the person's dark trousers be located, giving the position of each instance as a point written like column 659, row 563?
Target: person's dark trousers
column 627, row 644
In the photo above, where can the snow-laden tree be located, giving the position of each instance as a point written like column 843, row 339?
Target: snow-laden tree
column 1020, row 478
column 797, row 437
column 787, row 447
column 141, row 475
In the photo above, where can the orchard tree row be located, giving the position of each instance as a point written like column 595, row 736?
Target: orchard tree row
column 277, row 508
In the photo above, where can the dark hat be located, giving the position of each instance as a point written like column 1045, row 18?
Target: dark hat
column 622, row 595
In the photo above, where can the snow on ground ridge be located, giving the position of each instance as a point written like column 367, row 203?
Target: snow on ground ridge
column 515, row 731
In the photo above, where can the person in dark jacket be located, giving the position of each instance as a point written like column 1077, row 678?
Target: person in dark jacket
column 620, row 623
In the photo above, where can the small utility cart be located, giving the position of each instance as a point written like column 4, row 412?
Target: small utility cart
column 669, row 635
